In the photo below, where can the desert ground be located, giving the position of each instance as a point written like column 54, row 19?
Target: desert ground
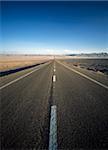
column 91, row 64
column 8, row 62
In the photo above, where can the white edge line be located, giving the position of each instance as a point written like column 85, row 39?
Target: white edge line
column 20, row 78
column 83, row 75
column 53, row 129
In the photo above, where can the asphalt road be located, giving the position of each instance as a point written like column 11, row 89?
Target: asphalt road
column 24, row 108
column 82, row 110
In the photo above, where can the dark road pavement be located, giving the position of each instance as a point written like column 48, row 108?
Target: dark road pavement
column 82, row 114
column 82, row 110
column 24, row 122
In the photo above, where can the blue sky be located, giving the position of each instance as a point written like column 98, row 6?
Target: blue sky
column 54, row 27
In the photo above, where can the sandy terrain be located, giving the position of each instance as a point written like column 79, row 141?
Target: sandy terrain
column 8, row 62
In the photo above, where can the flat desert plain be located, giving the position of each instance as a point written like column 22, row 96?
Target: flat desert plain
column 8, row 62
column 93, row 64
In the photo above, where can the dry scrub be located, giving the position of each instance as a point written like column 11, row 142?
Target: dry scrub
column 8, row 62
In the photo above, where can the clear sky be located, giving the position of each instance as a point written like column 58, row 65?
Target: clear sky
column 54, row 27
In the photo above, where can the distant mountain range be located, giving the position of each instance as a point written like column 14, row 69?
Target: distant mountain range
column 105, row 55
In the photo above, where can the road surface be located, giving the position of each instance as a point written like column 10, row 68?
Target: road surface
column 26, row 99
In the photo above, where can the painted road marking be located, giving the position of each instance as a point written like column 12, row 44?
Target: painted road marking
column 54, row 70
column 53, row 129
column 85, row 76
column 11, row 82
column 54, row 78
